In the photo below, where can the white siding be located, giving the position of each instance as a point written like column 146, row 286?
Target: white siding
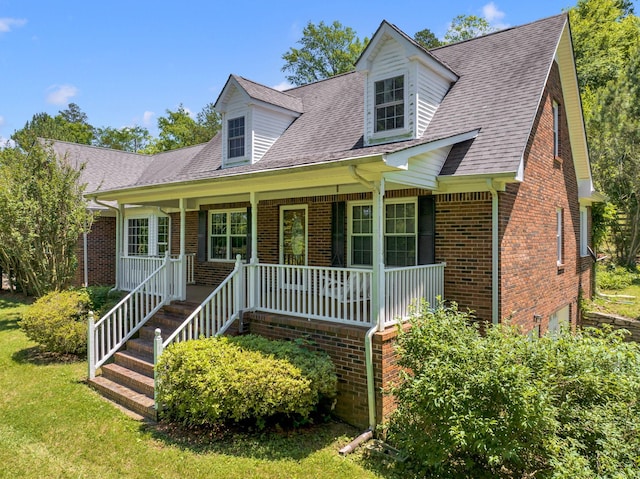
column 430, row 92
column 236, row 107
column 423, row 170
column 267, row 126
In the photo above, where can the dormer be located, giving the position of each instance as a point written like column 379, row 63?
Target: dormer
column 405, row 85
column 253, row 118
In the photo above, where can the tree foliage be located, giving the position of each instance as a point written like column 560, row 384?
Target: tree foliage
column 606, row 40
column 128, row 138
column 42, row 214
column 504, row 405
column 70, row 125
column 466, row 27
column 427, row 39
column 326, row 51
column 178, row 129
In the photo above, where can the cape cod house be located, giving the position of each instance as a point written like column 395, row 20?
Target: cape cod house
column 323, row 211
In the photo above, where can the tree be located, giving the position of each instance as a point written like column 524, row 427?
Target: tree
column 615, row 150
column 466, row 27
column 42, row 214
column 68, row 125
column 327, row 50
column 129, row 138
column 178, row 129
column 427, row 39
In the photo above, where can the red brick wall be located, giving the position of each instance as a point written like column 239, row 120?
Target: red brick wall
column 463, row 241
column 531, row 283
column 346, row 347
column 101, row 251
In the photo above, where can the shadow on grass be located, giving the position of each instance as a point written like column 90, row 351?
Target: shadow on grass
column 35, row 355
column 271, row 444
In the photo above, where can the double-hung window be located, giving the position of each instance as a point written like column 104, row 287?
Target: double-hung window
column 559, row 236
column 148, row 235
column 400, row 233
column 236, row 136
column 138, row 236
column 556, row 130
column 228, row 234
column 389, row 104
column 584, row 231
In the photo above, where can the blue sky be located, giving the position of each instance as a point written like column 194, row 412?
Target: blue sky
column 124, row 62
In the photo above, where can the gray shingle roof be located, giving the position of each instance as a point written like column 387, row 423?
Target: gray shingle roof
column 502, row 77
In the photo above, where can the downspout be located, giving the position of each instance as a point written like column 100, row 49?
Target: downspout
column 118, row 239
column 85, row 257
column 495, row 251
column 368, row 347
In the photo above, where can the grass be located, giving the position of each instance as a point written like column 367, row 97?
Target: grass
column 53, row 425
column 621, row 290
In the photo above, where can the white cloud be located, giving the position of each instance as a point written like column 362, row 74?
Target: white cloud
column 8, row 24
column 146, row 118
column 282, row 86
column 6, row 143
column 2, row 121
column 61, row 94
column 494, row 15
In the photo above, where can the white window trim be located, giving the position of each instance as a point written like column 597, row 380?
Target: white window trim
column 584, row 231
column 559, row 236
column 228, row 212
column 378, row 136
column 284, row 208
column 351, row 204
column 556, row 129
column 152, row 240
column 236, row 160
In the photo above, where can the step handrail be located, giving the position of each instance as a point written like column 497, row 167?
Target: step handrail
column 227, row 300
column 116, row 327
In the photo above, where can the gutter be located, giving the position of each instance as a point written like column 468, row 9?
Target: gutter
column 118, row 234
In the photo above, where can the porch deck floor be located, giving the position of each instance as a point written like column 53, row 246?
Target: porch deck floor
column 197, row 293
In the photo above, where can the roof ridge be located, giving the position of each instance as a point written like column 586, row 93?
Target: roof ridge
column 96, row 147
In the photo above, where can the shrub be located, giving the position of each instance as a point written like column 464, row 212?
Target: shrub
column 217, row 380
column 58, row 321
column 614, row 278
column 504, row 405
column 103, row 299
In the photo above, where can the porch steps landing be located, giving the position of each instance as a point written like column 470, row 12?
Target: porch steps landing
column 128, row 380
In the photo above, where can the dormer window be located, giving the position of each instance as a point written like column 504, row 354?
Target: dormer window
column 389, row 104
column 236, row 137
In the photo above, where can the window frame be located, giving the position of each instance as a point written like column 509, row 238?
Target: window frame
column 153, row 242
column 228, row 234
column 556, row 129
column 584, row 231
column 389, row 104
column 230, row 138
column 560, row 236
column 350, row 234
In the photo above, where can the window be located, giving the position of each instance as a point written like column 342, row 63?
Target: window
column 148, row 235
column 293, row 235
column 138, row 236
column 228, row 234
column 559, row 320
column 389, row 104
column 559, row 236
column 584, row 231
column 400, row 233
column 556, row 130
column 236, row 137
column 163, row 235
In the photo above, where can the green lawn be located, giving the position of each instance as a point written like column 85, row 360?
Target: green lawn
column 624, row 301
column 53, row 425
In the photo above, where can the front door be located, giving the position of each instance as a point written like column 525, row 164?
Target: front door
column 293, row 235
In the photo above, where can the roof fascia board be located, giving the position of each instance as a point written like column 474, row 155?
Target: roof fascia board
column 400, row 159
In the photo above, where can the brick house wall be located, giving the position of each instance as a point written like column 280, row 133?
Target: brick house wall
column 532, row 285
column 101, row 247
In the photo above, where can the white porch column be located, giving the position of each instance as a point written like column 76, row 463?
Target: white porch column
column 253, row 270
column 183, row 240
column 120, row 243
column 378, row 277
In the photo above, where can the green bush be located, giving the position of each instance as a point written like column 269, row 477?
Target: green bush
column 246, row 378
column 504, row 405
column 58, row 321
column 614, row 277
column 103, row 299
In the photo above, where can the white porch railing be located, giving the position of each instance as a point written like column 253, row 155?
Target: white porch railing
column 135, row 269
column 110, row 332
column 331, row 294
column 405, row 285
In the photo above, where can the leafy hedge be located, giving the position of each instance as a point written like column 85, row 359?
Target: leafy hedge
column 504, row 405
column 245, row 378
column 58, row 321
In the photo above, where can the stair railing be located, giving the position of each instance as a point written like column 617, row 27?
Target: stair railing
column 111, row 332
column 213, row 317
